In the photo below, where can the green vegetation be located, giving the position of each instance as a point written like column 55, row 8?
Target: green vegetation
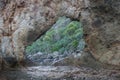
column 65, row 35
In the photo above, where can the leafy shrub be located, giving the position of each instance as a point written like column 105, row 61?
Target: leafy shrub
column 65, row 35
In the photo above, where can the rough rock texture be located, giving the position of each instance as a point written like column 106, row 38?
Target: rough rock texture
column 103, row 31
column 60, row 73
column 23, row 21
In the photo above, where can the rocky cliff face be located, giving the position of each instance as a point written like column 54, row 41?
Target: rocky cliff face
column 23, row 21
column 104, row 39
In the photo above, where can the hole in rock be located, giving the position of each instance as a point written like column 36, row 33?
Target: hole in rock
column 63, row 40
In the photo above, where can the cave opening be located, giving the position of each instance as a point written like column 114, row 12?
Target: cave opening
column 62, row 41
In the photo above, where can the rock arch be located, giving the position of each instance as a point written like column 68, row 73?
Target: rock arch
column 22, row 22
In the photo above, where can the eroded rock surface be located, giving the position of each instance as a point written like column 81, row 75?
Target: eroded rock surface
column 23, row 21
column 60, row 73
column 104, row 28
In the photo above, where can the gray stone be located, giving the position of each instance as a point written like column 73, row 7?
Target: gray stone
column 47, row 61
column 56, row 53
column 50, row 57
column 6, row 47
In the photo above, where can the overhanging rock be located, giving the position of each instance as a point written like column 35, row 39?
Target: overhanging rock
column 24, row 21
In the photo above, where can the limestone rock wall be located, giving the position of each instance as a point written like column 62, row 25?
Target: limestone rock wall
column 23, row 21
